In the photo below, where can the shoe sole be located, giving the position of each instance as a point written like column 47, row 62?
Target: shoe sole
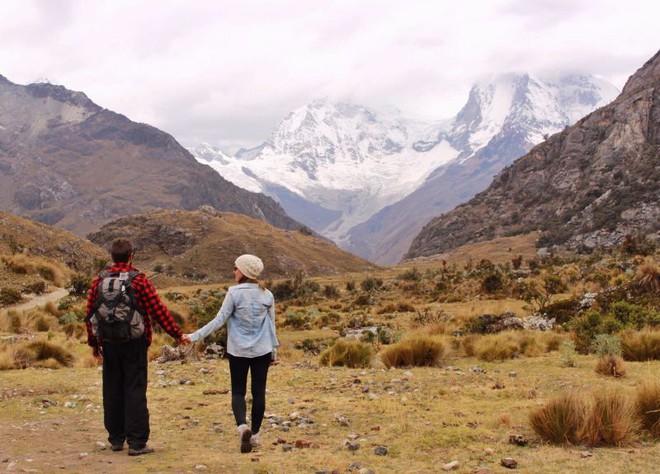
column 140, row 452
column 246, row 446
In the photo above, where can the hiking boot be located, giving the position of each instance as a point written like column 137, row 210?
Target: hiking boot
column 139, row 451
column 245, row 433
column 254, row 440
column 117, row 447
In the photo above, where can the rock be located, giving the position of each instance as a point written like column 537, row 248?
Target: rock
column 380, row 451
column 513, row 374
column 200, row 467
column 518, row 440
column 498, row 386
column 451, row 466
column 70, row 405
column 353, row 445
column 100, row 445
column 301, row 443
column 586, row 454
column 509, row 463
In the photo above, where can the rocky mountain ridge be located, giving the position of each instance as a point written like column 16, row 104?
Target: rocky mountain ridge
column 587, row 186
column 69, row 162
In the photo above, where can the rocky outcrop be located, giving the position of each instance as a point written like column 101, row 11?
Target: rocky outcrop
column 590, row 185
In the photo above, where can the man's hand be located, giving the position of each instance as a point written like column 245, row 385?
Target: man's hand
column 97, row 351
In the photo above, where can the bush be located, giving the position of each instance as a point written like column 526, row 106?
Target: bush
column 492, row 283
column 296, row 320
column 79, row 284
column 560, row 419
column 647, row 405
column 351, row 354
column 331, row 292
column 640, row 346
column 610, row 365
column 496, row 347
column 298, row 287
column 611, row 420
column 9, row 296
column 648, row 275
column 38, row 288
column 418, row 351
column 605, row 344
column 567, row 354
column 371, row 284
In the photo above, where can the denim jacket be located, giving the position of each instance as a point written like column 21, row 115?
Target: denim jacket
column 249, row 313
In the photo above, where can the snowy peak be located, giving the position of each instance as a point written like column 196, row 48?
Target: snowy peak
column 325, row 134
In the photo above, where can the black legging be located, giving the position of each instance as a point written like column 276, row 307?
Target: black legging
column 238, row 369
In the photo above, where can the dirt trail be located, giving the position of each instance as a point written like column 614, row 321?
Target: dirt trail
column 39, row 300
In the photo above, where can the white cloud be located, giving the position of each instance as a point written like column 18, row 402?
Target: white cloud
column 226, row 72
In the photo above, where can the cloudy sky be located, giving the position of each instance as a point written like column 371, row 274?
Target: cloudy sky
column 226, row 72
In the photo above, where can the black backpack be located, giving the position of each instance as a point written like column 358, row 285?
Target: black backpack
column 116, row 316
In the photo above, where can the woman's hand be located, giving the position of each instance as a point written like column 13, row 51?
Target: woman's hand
column 185, row 340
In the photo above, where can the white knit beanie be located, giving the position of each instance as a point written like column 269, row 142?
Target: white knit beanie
column 250, row 265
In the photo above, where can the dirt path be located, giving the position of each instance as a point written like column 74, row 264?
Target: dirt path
column 38, row 300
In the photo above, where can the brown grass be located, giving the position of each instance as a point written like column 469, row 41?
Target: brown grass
column 647, row 404
column 347, row 354
column 560, row 419
column 640, row 345
column 417, row 351
column 611, row 365
column 611, row 420
column 648, row 275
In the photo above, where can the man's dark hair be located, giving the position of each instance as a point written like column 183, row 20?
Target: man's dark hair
column 121, row 251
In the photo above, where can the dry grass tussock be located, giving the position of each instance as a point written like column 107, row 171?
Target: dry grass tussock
column 510, row 344
column 38, row 353
column 51, row 270
column 602, row 418
column 640, row 345
column 648, row 407
column 648, row 275
column 415, row 351
column 347, row 354
column 611, row 365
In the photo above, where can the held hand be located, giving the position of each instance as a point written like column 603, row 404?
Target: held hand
column 185, row 340
column 97, row 352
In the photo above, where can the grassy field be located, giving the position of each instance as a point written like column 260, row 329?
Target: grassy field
column 425, row 417
column 464, row 407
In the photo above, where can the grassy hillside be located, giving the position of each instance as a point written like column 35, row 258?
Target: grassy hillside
column 400, row 369
column 201, row 246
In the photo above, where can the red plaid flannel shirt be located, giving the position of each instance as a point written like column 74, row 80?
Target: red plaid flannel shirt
column 148, row 300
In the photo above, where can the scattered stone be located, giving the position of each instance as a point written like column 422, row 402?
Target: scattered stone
column 380, row 451
column 472, row 424
column 215, row 392
column 489, row 451
column 518, row 440
column 200, row 467
column 287, row 447
column 355, row 466
column 509, row 463
column 482, row 470
column 203, row 370
column 365, row 470
column 498, row 386
column 477, row 369
column 353, row 445
column 48, row 403
column 302, row 443
column 451, row 466
column 586, row 454
column 100, row 445
column 83, row 455
column 513, row 374
column 70, row 405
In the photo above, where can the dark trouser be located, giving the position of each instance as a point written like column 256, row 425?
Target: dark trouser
column 238, row 369
column 126, row 416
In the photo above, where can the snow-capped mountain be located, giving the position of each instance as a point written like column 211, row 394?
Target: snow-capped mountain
column 333, row 165
column 370, row 180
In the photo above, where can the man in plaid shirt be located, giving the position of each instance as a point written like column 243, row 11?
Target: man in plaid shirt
column 126, row 416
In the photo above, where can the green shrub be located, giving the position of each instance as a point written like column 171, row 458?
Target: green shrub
column 296, row 319
column 605, row 344
column 344, row 353
column 371, row 284
column 79, row 284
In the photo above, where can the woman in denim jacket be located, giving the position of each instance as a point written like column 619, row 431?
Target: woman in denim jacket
column 249, row 312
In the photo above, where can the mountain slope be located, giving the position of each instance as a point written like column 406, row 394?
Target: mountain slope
column 370, row 181
column 68, row 162
column 503, row 118
column 587, row 186
column 184, row 246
